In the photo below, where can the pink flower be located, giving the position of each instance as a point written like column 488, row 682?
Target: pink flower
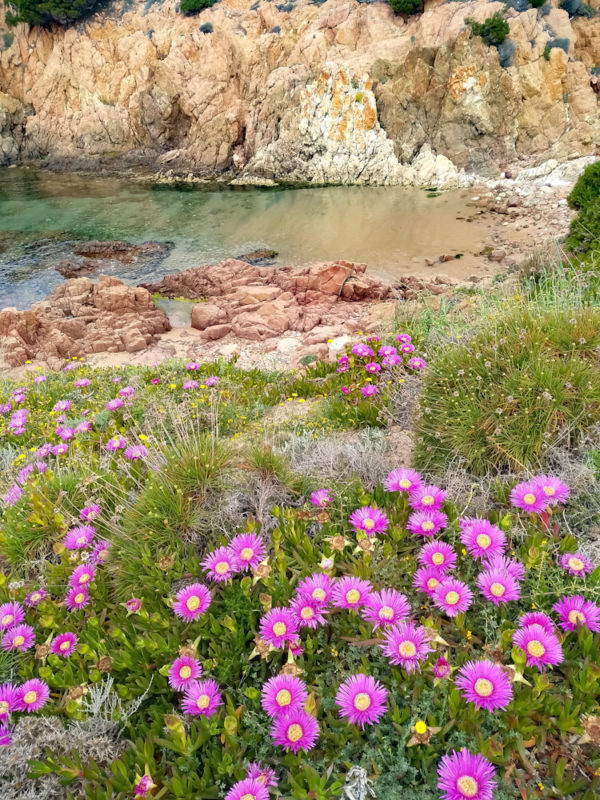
column 133, row 605
column 77, row 598
column 481, row 538
column 278, row 626
column 220, row 565
column 192, row 365
column 296, row 731
column 427, row 523
column 536, row 618
column 114, row 404
column 350, row 592
column 407, row 348
column 35, row 597
column 248, row 550
column 576, row 564
column 441, row 668
column 369, row 390
column 318, row 587
column 100, row 552
column 309, row 613
column 391, row 361
column 190, row 385
column 64, row 644
column 485, row 684
column 202, row 698
column 407, row 645
column 541, row 648
column 283, row 695
column 361, row 700
column 362, row 350
column 136, row 452
column 555, row 491
column 426, row 498
column 19, row 637
column 463, row 776
column 11, row 614
column 417, row 363
column 62, row 405
column 260, row 774
column 387, row 350
column 79, row 537
column 370, row 520
column 183, row 672
column 402, row 480
column 248, row 789
column 529, row 496
column 127, row 391
column 372, row 367
column 192, row 602
column 321, row 498
column 115, row 443
column 426, row 579
column 403, row 338
column 498, row 586
column 502, row 563
column 452, row 596
column 81, row 383
column 6, row 732
column 82, row 575
column 438, row 554
column 143, row 785
column 9, row 700
column 385, row 608
column 90, row 512
column 33, row 695
column 212, row 380
column 575, row 610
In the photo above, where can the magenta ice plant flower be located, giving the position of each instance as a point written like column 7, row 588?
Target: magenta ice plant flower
column 77, row 598
column 452, row 596
column 115, row 443
column 248, row 551
column 369, row 390
column 309, row 613
column 438, row 554
column 529, row 496
column 391, row 361
column 79, row 537
column 350, row 592
column 33, row 695
column 100, row 552
column 576, row 564
column 536, row 618
column 9, row 700
column 202, row 698
column 90, row 512
column 481, row 538
column 212, row 380
column 220, row 565
column 555, row 491
column 505, row 564
column 283, row 695
column 370, row 520
column 426, row 579
column 190, row 385
column 464, row 776
column 426, row 498
column 402, row 480
column 248, row 789
column 575, row 610
column 81, row 383
column 485, row 684
column 362, row 350
column 64, row 644
column 115, row 404
column 321, row 498
column 319, row 587
column 192, row 602
column 6, row 733
column 184, row 671
column 441, row 669
column 407, row 645
column 136, row 452
column 541, row 647
column 143, row 785
column 11, row 613
column 404, row 338
column 62, row 405
column 278, row 626
column 361, row 700
column 386, row 607
column 133, row 605
column 417, row 363
column 407, row 348
column 426, row 523
column 387, row 350
column 19, row 637
column 498, row 586
column 261, row 774
column 296, row 731
column 82, row 575
column 372, row 367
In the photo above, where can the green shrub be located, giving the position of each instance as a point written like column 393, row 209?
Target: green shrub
column 519, row 386
column 584, row 233
column 190, row 7
column 493, row 30
column 48, row 12
column 537, row 3
column 587, row 189
column 407, row 6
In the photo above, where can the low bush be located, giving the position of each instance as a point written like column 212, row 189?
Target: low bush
column 584, row 233
column 586, row 191
column 48, row 12
column 407, row 6
column 493, row 30
column 191, row 7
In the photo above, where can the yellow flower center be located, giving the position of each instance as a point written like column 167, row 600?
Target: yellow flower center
column 467, row 786
column 4, row 707
column 248, row 797
column 319, row 594
column 452, row 598
column 79, row 598
column 427, row 525
column 35, row 597
column 386, row 612
column 18, row 641
column 84, row 578
column 193, row 602
column 535, row 648
column 483, row 687
column 353, row 596
column 432, row 583
column 574, row 563
column 369, row 523
column 222, row 567
column 483, row 540
column 295, row 732
column 185, row 672
column 81, row 540
column 405, row 483
column 575, row 617
column 497, row 589
column 30, row 697
column 428, row 500
column 420, row 727
column 203, row 701
column 279, row 628
column 549, row 491
column 247, row 553
column 438, row 559
column 65, row 645
column 529, row 499
column 307, row 612
column 362, row 701
column 6, row 620
column 407, row 649
column 283, row 697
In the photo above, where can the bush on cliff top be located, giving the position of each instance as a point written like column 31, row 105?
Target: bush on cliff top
column 493, row 30
column 48, row 12
column 190, row 7
column 406, row 6
column 584, row 235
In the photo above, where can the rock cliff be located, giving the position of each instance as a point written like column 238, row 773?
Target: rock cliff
column 339, row 91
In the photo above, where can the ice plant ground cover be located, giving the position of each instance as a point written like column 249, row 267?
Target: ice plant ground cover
column 179, row 644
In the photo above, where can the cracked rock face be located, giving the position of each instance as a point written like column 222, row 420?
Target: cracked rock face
column 341, row 92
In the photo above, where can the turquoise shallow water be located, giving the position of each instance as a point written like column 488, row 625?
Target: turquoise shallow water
column 391, row 229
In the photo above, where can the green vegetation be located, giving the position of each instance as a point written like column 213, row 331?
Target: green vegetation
column 190, row 7
column 584, row 235
column 407, row 6
column 48, row 12
column 493, row 30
